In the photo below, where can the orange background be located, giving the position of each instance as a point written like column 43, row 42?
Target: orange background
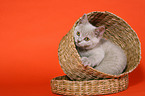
column 30, row 32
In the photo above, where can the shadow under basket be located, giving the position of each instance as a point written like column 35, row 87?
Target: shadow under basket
column 82, row 80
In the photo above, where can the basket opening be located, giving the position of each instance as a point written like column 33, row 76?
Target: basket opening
column 120, row 33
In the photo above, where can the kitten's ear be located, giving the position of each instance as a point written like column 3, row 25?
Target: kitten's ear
column 99, row 31
column 84, row 19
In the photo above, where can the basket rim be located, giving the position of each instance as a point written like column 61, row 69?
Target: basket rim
column 91, row 80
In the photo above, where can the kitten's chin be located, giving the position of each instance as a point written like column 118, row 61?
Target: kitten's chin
column 86, row 47
column 80, row 46
column 89, row 47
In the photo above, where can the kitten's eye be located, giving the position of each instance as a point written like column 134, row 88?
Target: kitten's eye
column 78, row 33
column 86, row 39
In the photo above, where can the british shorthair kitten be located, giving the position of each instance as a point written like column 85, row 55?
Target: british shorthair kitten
column 97, row 52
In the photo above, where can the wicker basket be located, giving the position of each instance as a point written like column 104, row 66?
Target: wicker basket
column 82, row 80
column 117, row 31
column 64, row 86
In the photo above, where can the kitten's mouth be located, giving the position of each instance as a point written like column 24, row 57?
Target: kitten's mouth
column 86, row 46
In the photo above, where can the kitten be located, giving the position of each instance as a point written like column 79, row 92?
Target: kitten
column 96, row 51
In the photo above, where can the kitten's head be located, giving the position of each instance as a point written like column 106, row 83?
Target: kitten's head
column 86, row 35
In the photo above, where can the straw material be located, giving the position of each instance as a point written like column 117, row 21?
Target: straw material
column 117, row 31
column 64, row 86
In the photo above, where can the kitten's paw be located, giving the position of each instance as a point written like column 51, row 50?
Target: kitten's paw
column 85, row 61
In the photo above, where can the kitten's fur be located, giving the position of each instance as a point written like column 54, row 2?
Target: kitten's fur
column 97, row 52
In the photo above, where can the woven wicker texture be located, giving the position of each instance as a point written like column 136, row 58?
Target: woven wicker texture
column 64, row 86
column 117, row 31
